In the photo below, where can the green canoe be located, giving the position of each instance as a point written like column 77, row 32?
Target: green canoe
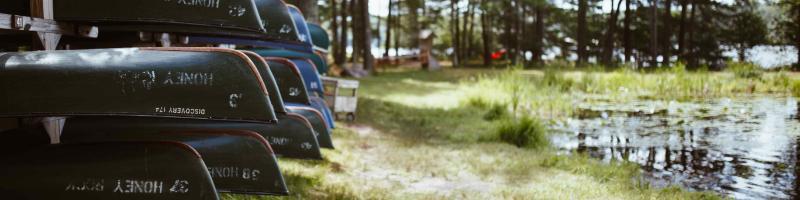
column 121, row 170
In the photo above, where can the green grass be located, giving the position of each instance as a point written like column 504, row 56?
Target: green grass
column 796, row 88
column 436, row 135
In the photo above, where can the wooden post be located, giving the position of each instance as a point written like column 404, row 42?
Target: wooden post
column 44, row 9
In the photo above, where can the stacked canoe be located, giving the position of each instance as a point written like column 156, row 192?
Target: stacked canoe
column 160, row 106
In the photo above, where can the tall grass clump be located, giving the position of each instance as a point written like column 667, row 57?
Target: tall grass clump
column 478, row 102
column 745, row 70
column 527, row 132
column 496, row 112
column 555, row 79
column 587, row 81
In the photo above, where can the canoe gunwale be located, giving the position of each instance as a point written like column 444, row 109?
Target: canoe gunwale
column 237, row 132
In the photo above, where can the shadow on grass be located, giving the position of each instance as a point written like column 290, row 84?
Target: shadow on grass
column 415, row 82
column 421, row 125
column 304, row 179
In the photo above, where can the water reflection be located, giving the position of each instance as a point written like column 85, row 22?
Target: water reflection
column 743, row 148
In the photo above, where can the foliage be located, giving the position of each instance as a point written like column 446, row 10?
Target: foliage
column 526, row 132
column 796, row 88
column 697, row 32
column 747, row 29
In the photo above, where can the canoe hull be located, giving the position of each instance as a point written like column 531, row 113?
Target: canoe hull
column 239, row 161
column 317, row 121
column 323, row 135
column 201, row 84
column 231, row 14
column 128, row 170
column 287, row 138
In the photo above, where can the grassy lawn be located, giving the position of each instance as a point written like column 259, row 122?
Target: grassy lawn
column 435, row 135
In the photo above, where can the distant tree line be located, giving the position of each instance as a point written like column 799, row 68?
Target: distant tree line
column 605, row 32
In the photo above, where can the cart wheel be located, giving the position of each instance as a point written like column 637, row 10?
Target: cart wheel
column 351, row 117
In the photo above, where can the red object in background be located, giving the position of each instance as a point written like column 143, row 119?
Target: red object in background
column 497, row 54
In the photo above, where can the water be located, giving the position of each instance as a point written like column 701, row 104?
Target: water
column 743, row 148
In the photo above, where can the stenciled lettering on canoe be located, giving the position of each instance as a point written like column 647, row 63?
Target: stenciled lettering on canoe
column 293, row 91
column 133, row 80
column 306, row 146
column 234, row 172
column 198, row 3
column 285, row 29
column 180, row 186
column 139, row 187
column 87, row 185
column 180, row 111
column 236, row 11
column 233, row 100
column 189, row 78
column 278, row 140
column 137, row 81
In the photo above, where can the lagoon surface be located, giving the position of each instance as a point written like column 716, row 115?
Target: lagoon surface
column 745, row 148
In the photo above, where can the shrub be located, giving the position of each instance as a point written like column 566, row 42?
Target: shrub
column 526, row 132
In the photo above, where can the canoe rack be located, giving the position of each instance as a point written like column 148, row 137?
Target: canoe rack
column 41, row 21
column 41, row 25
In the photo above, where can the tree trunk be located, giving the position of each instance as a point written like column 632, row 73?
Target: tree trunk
column 377, row 26
column 519, row 14
column 667, row 45
column 389, row 22
column 367, row 37
column 510, row 17
column 582, row 9
column 471, row 30
column 414, row 22
column 626, row 38
column 355, row 11
column 539, row 35
column 341, row 56
column 397, row 36
column 796, row 9
column 485, row 36
column 462, row 43
column 309, row 8
column 797, row 49
column 654, row 33
column 608, row 46
column 454, row 30
column 335, row 27
column 742, row 51
column 682, row 30
column 690, row 39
